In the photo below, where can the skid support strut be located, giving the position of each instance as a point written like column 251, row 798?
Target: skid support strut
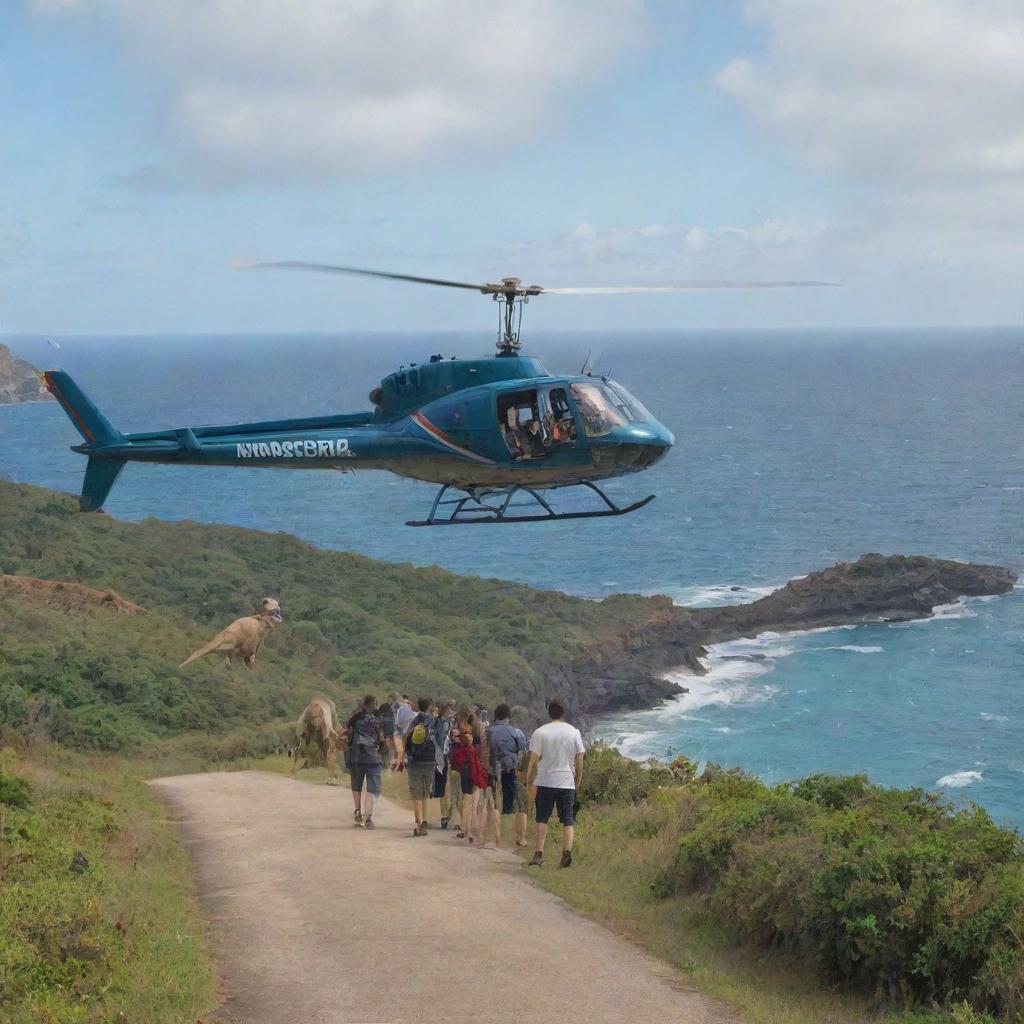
column 495, row 507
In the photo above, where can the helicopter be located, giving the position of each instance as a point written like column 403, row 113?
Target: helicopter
column 487, row 430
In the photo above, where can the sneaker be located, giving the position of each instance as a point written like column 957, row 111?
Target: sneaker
column 358, row 819
column 418, row 831
column 444, row 822
column 566, row 859
column 536, row 861
column 423, row 827
column 369, row 824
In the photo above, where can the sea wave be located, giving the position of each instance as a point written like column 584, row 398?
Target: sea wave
column 855, row 648
column 957, row 780
column 717, row 596
column 942, row 612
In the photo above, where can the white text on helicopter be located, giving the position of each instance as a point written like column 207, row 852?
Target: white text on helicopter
column 305, row 449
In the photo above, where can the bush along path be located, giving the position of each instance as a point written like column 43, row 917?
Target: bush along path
column 888, row 893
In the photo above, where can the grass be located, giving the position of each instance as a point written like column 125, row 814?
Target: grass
column 98, row 918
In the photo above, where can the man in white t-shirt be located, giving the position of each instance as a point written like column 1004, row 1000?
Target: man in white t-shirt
column 554, row 777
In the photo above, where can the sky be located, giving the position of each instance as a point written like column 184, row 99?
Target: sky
column 147, row 147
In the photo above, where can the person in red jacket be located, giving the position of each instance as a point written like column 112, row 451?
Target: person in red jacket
column 474, row 776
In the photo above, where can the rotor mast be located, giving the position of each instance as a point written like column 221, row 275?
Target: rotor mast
column 511, row 296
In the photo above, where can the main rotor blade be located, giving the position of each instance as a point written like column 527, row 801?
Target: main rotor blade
column 331, row 268
column 686, row 286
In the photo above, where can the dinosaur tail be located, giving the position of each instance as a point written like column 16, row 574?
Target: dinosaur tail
column 204, row 650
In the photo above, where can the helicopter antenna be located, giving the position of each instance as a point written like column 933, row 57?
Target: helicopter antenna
column 511, row 294
column 586, row 370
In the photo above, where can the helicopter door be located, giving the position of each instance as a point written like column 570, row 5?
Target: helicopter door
column 536, row 422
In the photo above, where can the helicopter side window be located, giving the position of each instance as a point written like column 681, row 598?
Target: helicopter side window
column 521, row 425
column 600, row 408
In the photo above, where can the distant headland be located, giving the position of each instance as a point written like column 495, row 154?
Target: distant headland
column 19, row 380
column 628, row 673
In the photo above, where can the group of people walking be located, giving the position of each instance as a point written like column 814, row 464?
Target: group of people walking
column 481, row 771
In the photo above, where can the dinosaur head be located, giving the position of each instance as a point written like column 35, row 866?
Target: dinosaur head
column 272, row 610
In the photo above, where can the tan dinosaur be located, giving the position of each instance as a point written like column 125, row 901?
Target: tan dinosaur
column 316, row 726
column 243, row 637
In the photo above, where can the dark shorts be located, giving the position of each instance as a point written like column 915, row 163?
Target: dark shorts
column 421, row 779
column 440, row 783
column 548, row 799
column 513, row 794
column 371, row 773
column 467, row 783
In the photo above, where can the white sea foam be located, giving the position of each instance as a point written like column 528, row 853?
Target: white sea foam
column 993, row 718
column 942, row 612
column 855, row 648
column 957, row 780
column 705, row 596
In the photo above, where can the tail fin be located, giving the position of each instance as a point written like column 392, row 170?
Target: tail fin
column 100, row 474
column 97, row 432
column 95, row 428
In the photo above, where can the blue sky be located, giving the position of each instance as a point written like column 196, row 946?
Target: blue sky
column 148, row 144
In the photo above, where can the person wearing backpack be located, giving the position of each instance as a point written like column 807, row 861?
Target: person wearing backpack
column 365, row 742
column 419, row 756
column 508, row 744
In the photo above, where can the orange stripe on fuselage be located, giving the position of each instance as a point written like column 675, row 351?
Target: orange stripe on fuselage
column 51, row 386
column 440, row 435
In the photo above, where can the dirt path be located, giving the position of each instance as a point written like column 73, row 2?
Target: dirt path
column 315, row 922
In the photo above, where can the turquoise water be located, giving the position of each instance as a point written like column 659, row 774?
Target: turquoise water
column 794, row 451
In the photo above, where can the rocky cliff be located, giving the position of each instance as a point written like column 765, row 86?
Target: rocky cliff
column 19, row 381
column 627, row 672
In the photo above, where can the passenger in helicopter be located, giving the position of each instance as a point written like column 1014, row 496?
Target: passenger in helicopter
column 510, row 431
column 562, row 424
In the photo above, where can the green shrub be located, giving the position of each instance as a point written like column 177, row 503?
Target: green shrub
column 890, row 891
column 608, row 777
column 14, row 791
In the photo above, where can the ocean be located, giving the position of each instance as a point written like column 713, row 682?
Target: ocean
column 794, row 451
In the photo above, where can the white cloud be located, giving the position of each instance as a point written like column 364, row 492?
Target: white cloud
column 327, row 89
column 916, row 109
column 667, row 253
column 911, row 91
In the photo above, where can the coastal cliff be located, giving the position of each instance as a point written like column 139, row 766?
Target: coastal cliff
column 627, row 672
column 19, row 380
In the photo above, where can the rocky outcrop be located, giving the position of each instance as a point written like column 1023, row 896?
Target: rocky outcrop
column 68, row 597
column 19, row 381
column 627, row 673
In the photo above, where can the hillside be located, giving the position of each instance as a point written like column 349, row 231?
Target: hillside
column 352, row 625
column 74, row 666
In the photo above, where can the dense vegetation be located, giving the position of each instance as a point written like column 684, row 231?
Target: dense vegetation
column 888, row 892
column 352, row 624
column 97, row 919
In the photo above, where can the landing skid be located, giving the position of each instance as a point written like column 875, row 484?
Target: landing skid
column 494, row 506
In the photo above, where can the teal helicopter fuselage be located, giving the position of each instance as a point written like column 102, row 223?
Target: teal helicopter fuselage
column 476, row 425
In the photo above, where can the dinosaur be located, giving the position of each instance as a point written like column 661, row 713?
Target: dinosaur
column 316, row 727
column 243, row 637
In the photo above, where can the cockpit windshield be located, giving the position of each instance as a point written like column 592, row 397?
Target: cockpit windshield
column 605, row 406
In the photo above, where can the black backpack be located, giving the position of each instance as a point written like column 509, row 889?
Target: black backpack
column 426, row 749
column 365, row 734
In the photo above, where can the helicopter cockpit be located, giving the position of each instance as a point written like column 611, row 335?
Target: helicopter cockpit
column 604, row 406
